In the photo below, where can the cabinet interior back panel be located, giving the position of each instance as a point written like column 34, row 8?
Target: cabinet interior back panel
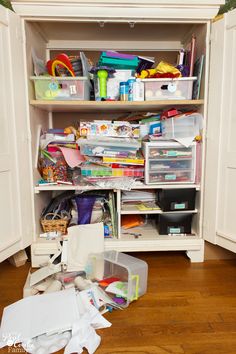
column 126, row 36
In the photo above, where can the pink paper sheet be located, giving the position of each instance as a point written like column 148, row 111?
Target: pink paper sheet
column 73, row 157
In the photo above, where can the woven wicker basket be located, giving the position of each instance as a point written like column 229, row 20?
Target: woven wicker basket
column 54, row 224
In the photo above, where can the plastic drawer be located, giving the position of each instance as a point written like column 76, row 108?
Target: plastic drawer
column 175, row 164
column 165, row 152
column 172, row 176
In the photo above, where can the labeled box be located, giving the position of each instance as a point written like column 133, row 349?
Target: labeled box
column 176, row 199
column 174, row 224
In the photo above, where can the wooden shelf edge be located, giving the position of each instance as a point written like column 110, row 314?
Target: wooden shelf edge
column 140, row 185
column 157, row 211
column 70, row 106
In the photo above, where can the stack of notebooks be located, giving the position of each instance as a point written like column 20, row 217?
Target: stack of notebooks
column 140, row 200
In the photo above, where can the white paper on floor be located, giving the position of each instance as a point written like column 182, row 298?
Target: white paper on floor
column 82, row 241
column 41, row 321
column 37, row 315
column 45, row 344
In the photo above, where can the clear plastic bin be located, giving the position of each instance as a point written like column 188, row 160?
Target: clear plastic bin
column 182, row 126
column 128, row 269
column 61, row 88
column 105, row 146
column 169, row 89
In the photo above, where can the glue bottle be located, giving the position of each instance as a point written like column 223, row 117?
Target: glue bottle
column 131, row 82
column 124, row 91
column 138, row 90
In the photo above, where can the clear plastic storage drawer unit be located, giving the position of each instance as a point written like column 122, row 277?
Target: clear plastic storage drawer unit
column 169, row 89
column 128, row 269
column 169, row 162
column 61, row 88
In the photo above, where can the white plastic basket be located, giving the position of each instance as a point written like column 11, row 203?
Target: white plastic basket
column 169, row 89
column 61, row 88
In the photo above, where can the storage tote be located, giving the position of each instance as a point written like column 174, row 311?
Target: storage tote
column 168, row 89
column 182, row 126
column 128, row 269
column 61, row 88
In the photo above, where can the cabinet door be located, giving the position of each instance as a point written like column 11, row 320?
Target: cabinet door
column 15, row 185
column 220, row 187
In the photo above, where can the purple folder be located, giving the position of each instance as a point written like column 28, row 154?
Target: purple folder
column 112, row 54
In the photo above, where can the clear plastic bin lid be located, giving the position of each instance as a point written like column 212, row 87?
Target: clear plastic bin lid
column 59, row 78
column 108, row 141
column 189, row 78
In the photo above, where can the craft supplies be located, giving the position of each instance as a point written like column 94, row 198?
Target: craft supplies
column 121, row 129
column 104, row 146
column 118, row 60
column 124, row 91
column 131, row 82
column 53, row 167
column 99, row 171
column 139, row 160
column 138, row 90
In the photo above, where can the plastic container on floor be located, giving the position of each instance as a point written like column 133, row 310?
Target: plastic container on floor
column 130, row 270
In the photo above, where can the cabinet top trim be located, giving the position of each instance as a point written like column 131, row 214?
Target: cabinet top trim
column 130, row 2
column 95, row 10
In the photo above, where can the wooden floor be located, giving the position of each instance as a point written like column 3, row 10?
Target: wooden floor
column 188, row 309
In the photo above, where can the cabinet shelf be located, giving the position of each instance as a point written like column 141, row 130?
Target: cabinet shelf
column 152, row 241
column 131, row 210
column 138, row 185
column 109, row 106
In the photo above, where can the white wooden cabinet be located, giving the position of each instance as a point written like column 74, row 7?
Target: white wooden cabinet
column 159, row 28
column 16, row 216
